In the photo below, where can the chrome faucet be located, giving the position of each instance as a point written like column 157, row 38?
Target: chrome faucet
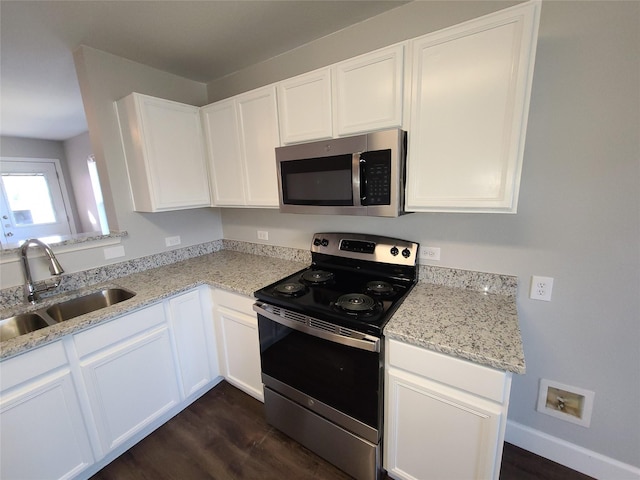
column 31, row 291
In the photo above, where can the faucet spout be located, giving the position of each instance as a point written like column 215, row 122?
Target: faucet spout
column 31, row 291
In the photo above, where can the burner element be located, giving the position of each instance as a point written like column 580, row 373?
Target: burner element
column 317, row 277
column 356, row 302
column 291, row 289
column 380, row 287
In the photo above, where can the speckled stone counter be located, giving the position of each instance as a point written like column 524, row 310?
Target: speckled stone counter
column 470, row 315
column 473, row 325
column 230, row 270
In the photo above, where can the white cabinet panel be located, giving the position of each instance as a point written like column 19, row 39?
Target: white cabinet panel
column 439, row 433
column 242, row 134
column 470, row 97
column 304, row 107
column 195, row 341
column 444, row 417
column 164, row 152
column 369, row 91
column 131, row 383
column 259, row 137
column 42, row 431
column 238, row 342
column 220, row 123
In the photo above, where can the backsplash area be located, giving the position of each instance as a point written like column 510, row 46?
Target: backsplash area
column 478, row 281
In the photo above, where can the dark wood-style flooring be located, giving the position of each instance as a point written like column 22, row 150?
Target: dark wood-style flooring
column 224, row 436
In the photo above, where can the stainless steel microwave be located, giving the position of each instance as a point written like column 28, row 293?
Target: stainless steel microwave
column 359, row 175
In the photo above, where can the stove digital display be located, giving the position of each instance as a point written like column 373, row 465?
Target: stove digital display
column 358, row 246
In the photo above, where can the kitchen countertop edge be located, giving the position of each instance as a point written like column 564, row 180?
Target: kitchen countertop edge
column 433, row 317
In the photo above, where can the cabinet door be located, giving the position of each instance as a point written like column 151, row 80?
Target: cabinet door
column 220, row 123
column 432, row 431
column 195, row 341
column 164, row 153
column 131, row 384
column 369, row 91
column 237, row 329
column 43, row 434
column 304, row 107
column 259, row 137
column 471, row 89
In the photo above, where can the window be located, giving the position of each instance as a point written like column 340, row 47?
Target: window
column 32, row 203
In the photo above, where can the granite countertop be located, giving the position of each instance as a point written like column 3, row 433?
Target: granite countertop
column 230, row 270
column 477, row 326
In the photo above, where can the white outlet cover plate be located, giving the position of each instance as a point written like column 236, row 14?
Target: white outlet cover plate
column 171, row 241
column 541, row 288
column 430, row 253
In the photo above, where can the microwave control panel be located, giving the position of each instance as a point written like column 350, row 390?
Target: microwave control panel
column 377, row 177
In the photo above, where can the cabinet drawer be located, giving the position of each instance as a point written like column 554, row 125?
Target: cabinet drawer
column 119, row 329
column 234, row 301
column 477, row 379
column 31, row 364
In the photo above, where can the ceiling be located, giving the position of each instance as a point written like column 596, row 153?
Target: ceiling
column 200, row 40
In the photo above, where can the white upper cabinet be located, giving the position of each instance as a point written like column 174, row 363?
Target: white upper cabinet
column 241, row 137
column 368, row 91
column 358, row 95
column 164, row 153
column 220, row 124
column 304, row 107
column 259, row 137
column 470, row 98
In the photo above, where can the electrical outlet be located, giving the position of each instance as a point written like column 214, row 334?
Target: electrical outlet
column 541, row 288
column 430, row 253
column 113, row 252
column 172, row 241
column 263, row 235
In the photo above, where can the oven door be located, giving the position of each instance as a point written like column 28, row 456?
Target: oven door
column 315, row 369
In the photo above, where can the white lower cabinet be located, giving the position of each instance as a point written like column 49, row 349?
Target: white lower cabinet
column 42, row 430
column 238, row 342
column 129, row 372
column 444, row 417
column 194, row 337
column 70, row 407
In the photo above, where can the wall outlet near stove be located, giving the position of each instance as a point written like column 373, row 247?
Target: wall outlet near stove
column 263, row 235
column 541, row 288
column 172, row 241
column 430, row 253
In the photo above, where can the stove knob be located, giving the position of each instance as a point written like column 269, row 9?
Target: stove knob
column 394, row 251
column 325, row 242
column 406, row 253
column 316, row 242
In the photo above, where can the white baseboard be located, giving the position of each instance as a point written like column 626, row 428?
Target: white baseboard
column 568, row 454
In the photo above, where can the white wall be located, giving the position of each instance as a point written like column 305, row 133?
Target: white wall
column 578, row 219
column 103, row 79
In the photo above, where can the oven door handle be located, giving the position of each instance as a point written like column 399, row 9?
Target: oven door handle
column 304, row 323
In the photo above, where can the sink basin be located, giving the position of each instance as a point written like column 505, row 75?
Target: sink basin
column 88, row 303
column 20, row 325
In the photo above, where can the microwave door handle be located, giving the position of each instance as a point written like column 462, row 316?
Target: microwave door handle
column 363, row 179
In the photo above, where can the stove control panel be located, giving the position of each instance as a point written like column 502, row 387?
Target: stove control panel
column 366, row 247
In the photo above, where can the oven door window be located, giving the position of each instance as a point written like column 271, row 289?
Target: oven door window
column 323, row 181
column 342, row 377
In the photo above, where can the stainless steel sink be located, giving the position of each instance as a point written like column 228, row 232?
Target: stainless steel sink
column 24, row 323
column 20, row 325
column 63, row 311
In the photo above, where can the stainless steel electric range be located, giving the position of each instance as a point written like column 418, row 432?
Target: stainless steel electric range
column 321, row 345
